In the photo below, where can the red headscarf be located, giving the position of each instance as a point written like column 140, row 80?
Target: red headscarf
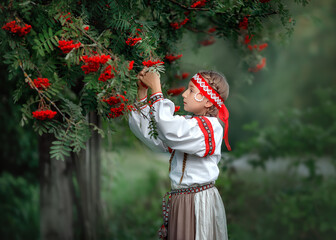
column 217, row 100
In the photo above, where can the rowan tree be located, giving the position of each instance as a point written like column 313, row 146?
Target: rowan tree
column 71, row 57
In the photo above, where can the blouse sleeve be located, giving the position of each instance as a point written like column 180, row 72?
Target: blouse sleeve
column 193, row 136
column 139, row 125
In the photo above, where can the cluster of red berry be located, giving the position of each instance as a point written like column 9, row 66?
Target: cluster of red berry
column 211, row 40
column 183, row 76
column 175, row 91
column 244, row 24
column 177, row 25
column 67, row 46
column 259, row 66
column 138, row 30
column 44, row 114
column 14, row 28
column 150, row 63
column 247, row 40
column 107, row 74
column 211, row 30
column 132, row 41
column 260, row 47
column 198, row 4
column 119, row 110
column 130, row 66
column 172, row 58
column 67, row 19
column 208, row 42
column 93, row 63
column 112, row 100
column 41, row 83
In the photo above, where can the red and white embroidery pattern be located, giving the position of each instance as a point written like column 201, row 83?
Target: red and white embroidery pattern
column 208, row 132
column 207, row 90
column 156, row 97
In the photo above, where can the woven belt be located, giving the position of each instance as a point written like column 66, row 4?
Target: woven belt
column 166, row 207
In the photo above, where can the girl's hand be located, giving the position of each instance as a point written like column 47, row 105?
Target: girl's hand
column 152, row 80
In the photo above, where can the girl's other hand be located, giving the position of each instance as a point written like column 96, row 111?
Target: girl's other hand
column 152, row 80
column 142, row 73
column 140, row 76
column 142, row 88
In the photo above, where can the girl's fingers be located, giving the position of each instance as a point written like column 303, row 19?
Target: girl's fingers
column 141, row 74
column 143, row 71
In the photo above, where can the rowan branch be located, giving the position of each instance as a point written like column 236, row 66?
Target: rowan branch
column 42, row 95
column 188, row 8
column 113, row 57
column 263, row 15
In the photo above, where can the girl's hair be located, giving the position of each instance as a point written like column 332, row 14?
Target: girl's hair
column 219, row 84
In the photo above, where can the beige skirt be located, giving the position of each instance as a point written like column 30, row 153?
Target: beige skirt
column 197, row 216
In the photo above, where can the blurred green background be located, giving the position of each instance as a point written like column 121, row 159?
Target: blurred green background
column 277, row 183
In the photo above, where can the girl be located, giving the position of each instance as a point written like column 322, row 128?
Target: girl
column 195, row 209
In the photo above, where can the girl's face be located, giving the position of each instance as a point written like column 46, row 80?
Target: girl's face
column 191, row 104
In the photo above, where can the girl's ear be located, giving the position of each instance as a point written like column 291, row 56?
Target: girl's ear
column 208, row 103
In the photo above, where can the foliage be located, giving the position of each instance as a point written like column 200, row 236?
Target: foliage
column 131, row 193
column 139, row 215
column 104, row 27
column 303, row 135
column 19, row 151
column 19, row 208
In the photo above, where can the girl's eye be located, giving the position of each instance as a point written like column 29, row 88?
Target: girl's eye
column 190, row 90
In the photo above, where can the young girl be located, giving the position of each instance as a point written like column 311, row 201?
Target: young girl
column 194, row 209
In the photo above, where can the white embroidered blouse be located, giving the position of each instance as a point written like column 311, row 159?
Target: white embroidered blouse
column 200, row 137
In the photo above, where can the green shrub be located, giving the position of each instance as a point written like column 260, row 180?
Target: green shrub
column 19, row 208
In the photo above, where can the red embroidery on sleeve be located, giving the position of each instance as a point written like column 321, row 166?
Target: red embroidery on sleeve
column 156, row 97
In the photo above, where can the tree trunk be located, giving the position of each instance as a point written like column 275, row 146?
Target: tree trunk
column 87, row 167
column 55, row 194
